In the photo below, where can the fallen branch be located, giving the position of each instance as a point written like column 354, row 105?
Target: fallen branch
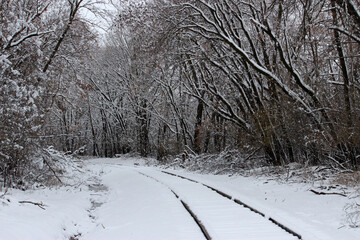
column 327, row 193
column 40, row 205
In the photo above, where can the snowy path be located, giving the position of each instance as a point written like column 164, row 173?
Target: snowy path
column 120, row 199
column 139, row 208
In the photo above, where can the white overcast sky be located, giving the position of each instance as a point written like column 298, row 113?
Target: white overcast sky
column 102, row 16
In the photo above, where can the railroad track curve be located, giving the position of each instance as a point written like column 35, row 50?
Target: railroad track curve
column 218, row 214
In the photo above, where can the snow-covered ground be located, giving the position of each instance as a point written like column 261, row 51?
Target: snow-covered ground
column 113, row 201
column 313, row 216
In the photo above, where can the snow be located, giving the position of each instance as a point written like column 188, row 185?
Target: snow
column 223, row 218
column 112, row 200
column 313, row 216
column 64, row 209
column 136, row 208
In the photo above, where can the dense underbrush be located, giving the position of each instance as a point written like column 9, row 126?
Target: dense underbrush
column 48, row 167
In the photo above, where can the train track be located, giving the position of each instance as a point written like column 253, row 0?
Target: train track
column 186, row 206
column 201, row 219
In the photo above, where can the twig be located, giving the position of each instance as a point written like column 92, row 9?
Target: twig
column 40, row 205
column 192, row 152
column 5, row 192
column 252, row 154
column 327, row 193
column 52, row 170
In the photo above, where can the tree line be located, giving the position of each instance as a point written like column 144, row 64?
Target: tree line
column 275, row 78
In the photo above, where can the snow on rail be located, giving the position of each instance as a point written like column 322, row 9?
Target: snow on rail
column 223, row 219
column 240, row 203
column 186, row 206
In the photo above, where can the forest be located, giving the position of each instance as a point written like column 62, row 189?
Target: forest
column 275, row 79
